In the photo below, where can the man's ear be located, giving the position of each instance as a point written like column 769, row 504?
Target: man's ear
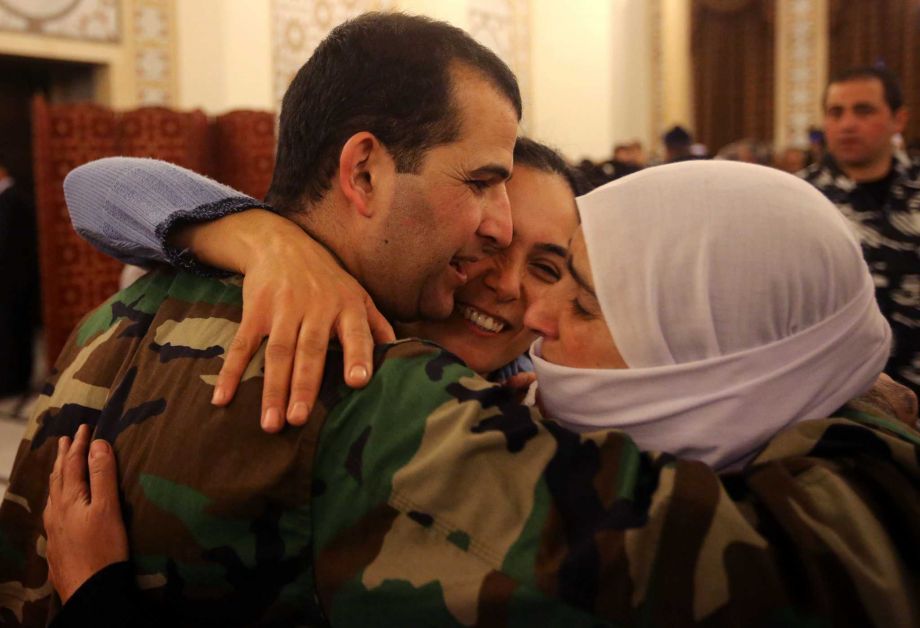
column 361, row 164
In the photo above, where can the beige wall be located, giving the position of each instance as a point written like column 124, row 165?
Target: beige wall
column 572, row 66
column 631, row 89
column 677, row 104
column 224, row 53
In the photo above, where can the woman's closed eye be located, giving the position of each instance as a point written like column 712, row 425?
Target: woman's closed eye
column 581, row 311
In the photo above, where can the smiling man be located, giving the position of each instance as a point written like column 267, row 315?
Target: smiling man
column 396, row 140
column 878, row 189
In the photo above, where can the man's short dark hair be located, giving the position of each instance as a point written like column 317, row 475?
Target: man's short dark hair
column 890, row 85
column 385, row 73
column 528, row 152
column 677, row 137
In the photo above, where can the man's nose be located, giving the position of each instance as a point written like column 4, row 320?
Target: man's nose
column 505, row 279
column 496, row 217
column 848, row 118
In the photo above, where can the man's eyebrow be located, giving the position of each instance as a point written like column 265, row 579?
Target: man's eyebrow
column 495, row 170
column 578, row 278
column 554, row 249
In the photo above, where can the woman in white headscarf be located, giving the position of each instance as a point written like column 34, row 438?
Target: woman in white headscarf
column 712, row 305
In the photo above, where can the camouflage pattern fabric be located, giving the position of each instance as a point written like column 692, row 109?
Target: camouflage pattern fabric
column 431, row 498
column 890, row 237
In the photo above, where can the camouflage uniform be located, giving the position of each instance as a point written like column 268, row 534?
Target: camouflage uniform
column 890, row 237
column 431, row 498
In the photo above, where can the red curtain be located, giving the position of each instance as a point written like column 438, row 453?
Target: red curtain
column 732, row 44
column 881, row 31
column 236, row 149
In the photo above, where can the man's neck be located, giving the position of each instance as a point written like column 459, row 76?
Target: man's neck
column 869, row 172
column 319, row 224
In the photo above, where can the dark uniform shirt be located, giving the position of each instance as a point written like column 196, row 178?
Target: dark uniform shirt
column 885, row 215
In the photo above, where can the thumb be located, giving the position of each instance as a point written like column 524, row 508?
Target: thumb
column 103, row 474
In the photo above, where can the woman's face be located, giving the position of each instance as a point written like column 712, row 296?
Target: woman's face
column 569, row 318
column 487, row 327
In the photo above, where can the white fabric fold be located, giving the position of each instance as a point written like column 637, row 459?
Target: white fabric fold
column 740, row 301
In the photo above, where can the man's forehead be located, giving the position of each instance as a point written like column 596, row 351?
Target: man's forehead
column 864, row 89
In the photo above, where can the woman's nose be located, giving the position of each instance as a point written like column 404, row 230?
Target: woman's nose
column 541, row 316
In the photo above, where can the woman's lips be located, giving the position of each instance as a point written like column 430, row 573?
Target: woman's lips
column 481, row 321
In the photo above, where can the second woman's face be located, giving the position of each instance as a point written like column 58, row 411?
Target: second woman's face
column 487, row 328
column 570, row 320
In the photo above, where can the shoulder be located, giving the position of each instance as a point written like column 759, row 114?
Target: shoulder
column 180, row 292
column 857, row 438
column 412, row 376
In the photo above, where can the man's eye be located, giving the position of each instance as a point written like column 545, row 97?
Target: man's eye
column 545, row 272
column 477, row 185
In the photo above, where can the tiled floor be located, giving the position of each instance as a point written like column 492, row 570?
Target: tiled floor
column 13, row 414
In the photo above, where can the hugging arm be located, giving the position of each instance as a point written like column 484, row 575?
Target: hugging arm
column 295, row 293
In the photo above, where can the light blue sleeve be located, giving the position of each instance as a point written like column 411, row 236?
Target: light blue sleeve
column 127, row 207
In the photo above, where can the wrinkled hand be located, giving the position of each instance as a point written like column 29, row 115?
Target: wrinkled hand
column 83, row 521
column 296, row 294
column 899, row 400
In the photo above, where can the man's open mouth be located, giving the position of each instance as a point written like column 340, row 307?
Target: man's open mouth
column 459, row 265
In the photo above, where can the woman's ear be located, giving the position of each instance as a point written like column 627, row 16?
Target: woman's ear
column 360, row 169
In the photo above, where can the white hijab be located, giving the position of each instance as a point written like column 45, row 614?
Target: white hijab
column 739, row 299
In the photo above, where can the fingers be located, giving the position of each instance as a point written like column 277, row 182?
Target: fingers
column 57, row 471
column 279, row 362
column 381, row 329
column 103, row 476
column 245, row 343
column 357, row 344
column 520, row 380
column 312, row 343
column 74, row 485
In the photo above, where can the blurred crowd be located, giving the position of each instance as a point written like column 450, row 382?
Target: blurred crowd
column 678, row 144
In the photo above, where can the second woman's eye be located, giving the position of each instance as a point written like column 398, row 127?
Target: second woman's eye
column 580, row 311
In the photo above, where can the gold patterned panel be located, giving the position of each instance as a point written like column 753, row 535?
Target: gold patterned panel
column 299, row 25
column 504, row 26
column 155, row 51
column 801, row 68
column 92, row 20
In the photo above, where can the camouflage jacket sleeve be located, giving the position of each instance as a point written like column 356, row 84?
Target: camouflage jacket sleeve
column 483, row 514
column 217, row 511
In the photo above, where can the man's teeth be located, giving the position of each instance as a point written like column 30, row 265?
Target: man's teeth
column 482, row 320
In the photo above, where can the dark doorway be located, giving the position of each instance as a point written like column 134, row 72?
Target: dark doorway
column 20, row 80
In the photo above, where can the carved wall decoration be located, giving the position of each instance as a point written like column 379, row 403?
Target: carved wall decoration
column 94, row 20
column 504, row 26
column 802, row 47
column 155, row 51
column 299, row 25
